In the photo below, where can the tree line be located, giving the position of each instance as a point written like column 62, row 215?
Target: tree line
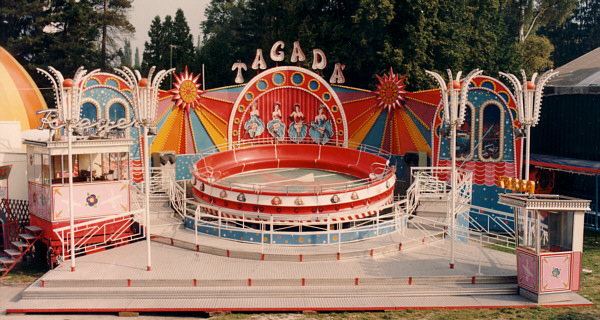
column 367, row 36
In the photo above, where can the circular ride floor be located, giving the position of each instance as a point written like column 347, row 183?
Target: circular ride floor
column 286, row 179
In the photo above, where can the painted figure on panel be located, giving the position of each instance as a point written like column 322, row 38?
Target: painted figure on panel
column 298, row 130
column 320, row 128
column 254, row 126
column 275, row 127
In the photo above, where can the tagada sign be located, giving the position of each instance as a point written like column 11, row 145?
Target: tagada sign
column 5, row 171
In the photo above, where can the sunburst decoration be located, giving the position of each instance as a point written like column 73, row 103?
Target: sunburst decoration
column 390, row 91
column 186, row 92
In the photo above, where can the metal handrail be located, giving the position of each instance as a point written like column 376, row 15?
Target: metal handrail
column 96, row 229
column 177, row 197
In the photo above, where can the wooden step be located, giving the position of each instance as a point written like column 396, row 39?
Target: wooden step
column 13, row 252
column 2, row 269
column 27, row 236
column 20, row 244
column 34, row 229
column 6, row 260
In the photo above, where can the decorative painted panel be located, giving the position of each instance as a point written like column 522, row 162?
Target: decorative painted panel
column 91, row 199
column 576, row 272
column 555, row 273
column 39, row 200
column 527, row 270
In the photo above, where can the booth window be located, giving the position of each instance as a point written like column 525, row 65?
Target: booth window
column 526, row 231
column 464, row 135
column 560, row 231
column 91, row 167
column 60, row 169
column 491, row 132
column 34, row 167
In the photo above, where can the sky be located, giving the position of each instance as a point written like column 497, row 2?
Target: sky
column 143, row 12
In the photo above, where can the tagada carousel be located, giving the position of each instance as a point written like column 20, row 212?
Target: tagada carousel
column 288, row 174
column 289, row 192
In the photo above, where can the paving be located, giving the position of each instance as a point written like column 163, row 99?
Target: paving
column 185, row 280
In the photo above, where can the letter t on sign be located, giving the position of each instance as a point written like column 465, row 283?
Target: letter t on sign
column 239, row 66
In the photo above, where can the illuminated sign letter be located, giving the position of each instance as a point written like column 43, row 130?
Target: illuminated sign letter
column 297, row 54
column 239, row 66
column 259, row 61
column 338, row 76
column 277, row 55
column 319, row 59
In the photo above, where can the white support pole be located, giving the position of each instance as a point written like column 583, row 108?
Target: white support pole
column 271, row 237
column 328, row 229
column 528, row 155
column 339, row 238
column 71, row 204
column 453, row 195
column 480, row 252
column 147, row 196
column 196, row 213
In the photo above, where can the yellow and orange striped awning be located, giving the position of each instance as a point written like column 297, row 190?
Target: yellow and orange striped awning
column 20, row 97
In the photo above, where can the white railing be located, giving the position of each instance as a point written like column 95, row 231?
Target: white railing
column 386, row 216
column 99, row 234
column 431, row 230
column 412, row 199
column 496, row 227
column 431, row 180
column 159, row 180
column 136, row 197
column 177, row 197
column 435, row 181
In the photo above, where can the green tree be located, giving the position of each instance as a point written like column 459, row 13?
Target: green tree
column 578, row 35
column 114, row 26
column 137, row 65
column 126, row 57
column 225, row 39
column 153, row 53
column 537, row 51
column 526, row 18
column 60, row 35
column 183, row 45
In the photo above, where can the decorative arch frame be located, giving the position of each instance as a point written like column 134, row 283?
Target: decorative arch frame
column 278, row 79
column 113, row 101
column 95, row 103
column 472, row 133
column 501, row 113
column 503, row 98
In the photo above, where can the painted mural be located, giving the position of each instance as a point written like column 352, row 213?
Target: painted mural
column 90, row 200
column 296, row 105
column 107, row 96
column 486, row 142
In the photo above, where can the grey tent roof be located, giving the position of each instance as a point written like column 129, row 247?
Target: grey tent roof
column 580, row 76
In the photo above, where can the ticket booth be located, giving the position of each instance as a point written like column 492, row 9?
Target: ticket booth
column 549, row 232
column 101, row 183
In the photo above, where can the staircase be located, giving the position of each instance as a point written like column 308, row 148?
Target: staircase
column 433, row 208
column 261, row 294
column 22, row 246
